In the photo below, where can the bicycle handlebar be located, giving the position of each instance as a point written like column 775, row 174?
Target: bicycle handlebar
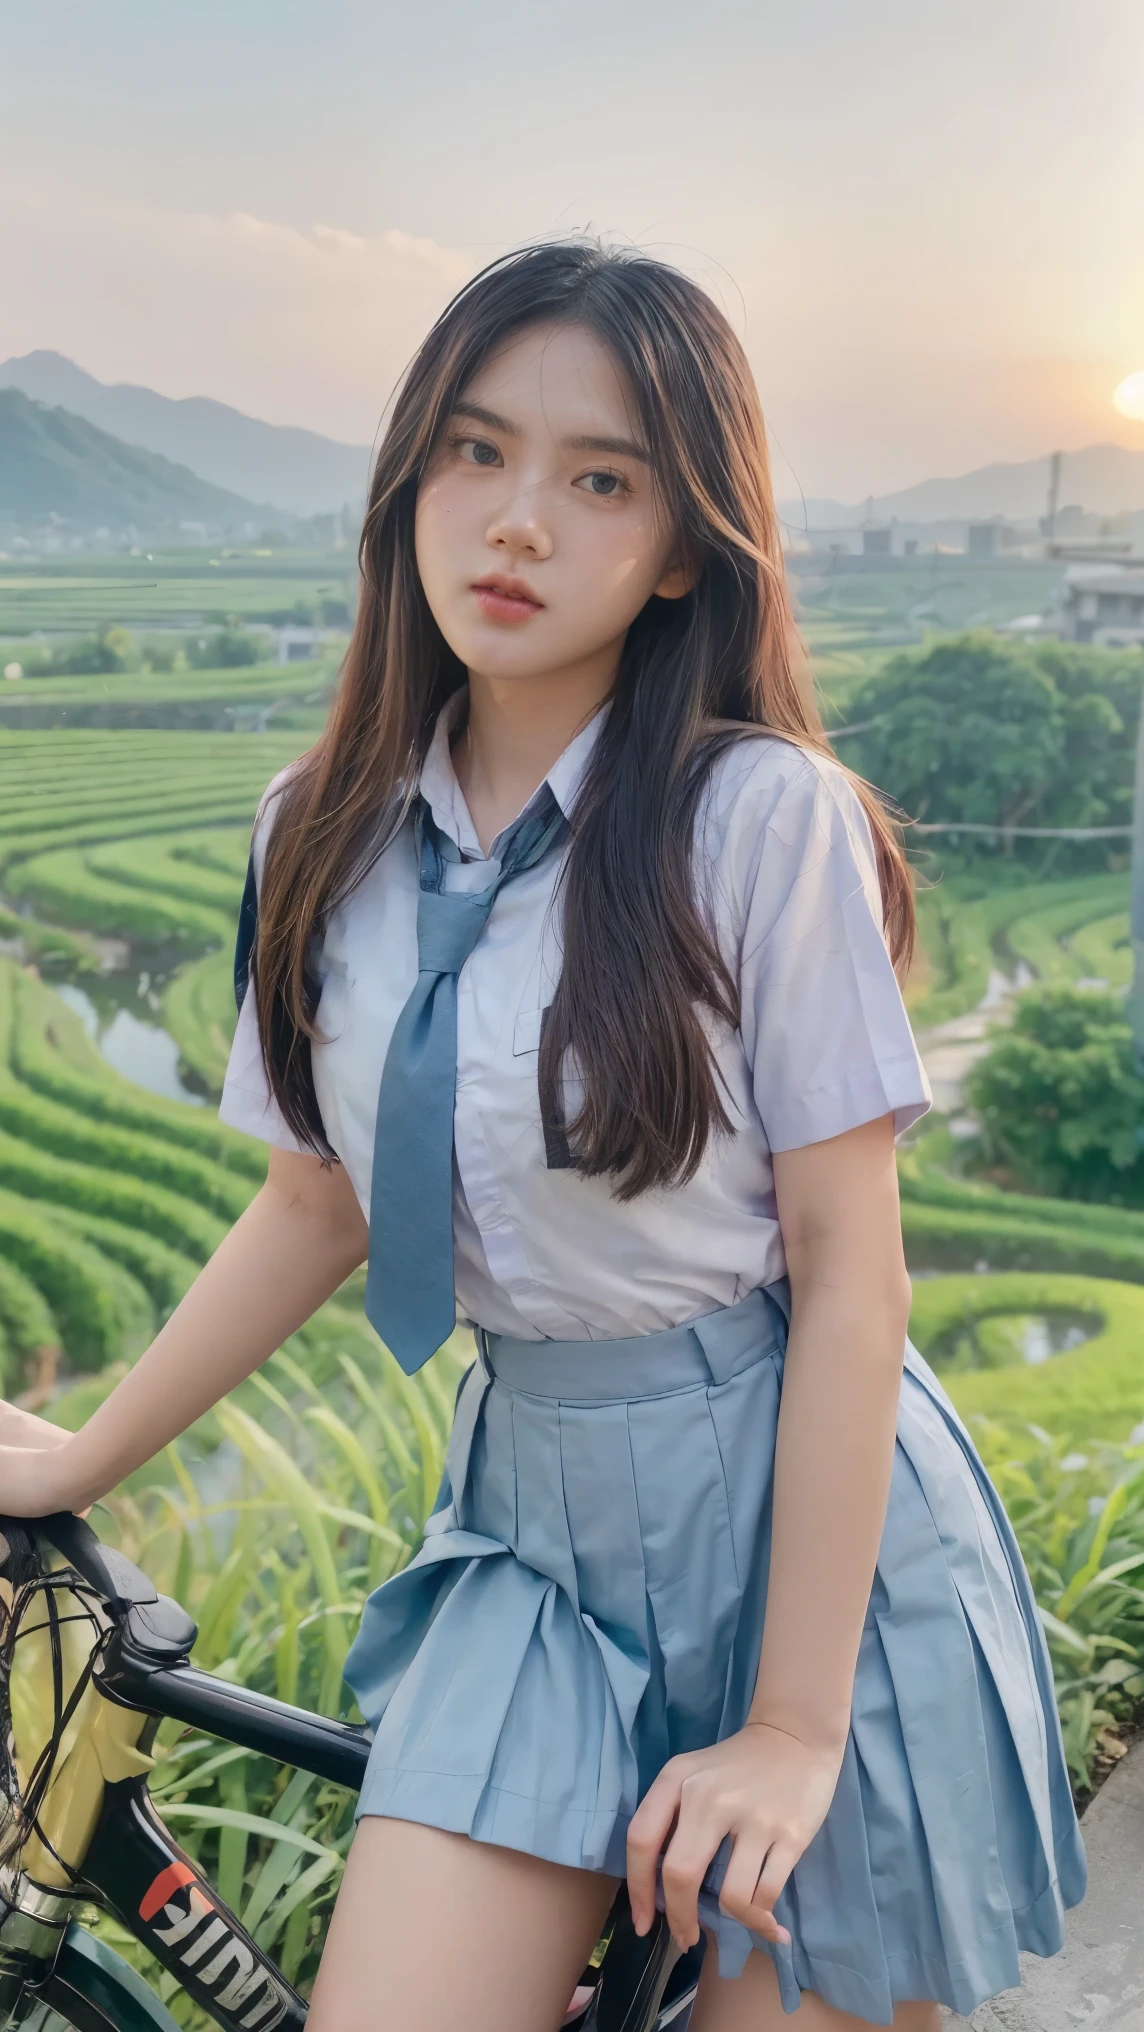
column 146, row 1665
column 109, row 1572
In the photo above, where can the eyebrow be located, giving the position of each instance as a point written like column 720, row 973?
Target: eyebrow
column 620, row 447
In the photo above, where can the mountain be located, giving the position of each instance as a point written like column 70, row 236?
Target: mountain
column 1105, row 479
column 56, row 464
column 301, row 472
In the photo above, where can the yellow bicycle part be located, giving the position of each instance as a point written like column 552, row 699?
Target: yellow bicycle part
column 98, row 1747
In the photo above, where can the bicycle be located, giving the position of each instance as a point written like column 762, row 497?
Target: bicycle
column 79, row 1827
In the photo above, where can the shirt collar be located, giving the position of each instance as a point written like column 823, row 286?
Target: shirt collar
column 445, row 798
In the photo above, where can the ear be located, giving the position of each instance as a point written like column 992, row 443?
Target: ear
column 677, row 580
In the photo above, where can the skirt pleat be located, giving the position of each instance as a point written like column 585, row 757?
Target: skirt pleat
column 589, row 1601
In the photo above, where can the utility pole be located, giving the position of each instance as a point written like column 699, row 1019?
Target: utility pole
column 1055, row 464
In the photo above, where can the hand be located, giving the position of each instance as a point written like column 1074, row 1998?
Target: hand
column 766, row 1789
column 31, row 1482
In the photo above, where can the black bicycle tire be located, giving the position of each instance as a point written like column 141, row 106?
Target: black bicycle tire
column 92, row 1989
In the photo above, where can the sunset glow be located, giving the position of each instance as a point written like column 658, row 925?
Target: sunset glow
column 1129, row 397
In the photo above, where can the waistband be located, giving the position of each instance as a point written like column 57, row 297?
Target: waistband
column 710, row 1349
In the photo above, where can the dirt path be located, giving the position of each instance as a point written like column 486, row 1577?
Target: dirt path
column 950, row 1049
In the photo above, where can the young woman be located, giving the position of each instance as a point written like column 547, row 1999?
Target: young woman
column 572, row 1005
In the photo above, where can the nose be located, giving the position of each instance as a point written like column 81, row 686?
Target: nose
column 520, row 527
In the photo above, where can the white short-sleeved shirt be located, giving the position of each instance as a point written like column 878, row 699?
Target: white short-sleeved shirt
column 784, row 853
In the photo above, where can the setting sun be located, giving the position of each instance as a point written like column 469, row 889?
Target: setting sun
column 1129, row 397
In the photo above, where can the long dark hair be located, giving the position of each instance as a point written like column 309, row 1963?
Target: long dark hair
column 641, row 964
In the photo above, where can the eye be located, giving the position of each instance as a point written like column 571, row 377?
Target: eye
column 476, row 451
column 603, row 484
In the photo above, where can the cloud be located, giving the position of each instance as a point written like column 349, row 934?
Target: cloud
column 300, row 324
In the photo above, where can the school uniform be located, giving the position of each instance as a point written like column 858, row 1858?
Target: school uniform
column 590, row 1595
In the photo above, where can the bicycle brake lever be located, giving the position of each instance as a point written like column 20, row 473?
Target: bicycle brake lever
column 112, row 1575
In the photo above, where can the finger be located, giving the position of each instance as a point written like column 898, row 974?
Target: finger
column 685, row 1864
column 777, row 1868
column 650, row 1828
column 743, row 1873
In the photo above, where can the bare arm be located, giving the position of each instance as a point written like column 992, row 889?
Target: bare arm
column 299, row 1238
column 771, row 1785
column 850, row 1304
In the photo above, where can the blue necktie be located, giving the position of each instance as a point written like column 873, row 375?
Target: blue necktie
column 410, row 1296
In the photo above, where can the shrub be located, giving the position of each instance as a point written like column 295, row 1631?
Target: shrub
column 1060, row 1102
column 110, row 651
column 226, row 649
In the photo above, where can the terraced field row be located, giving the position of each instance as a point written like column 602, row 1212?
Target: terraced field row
column 1060, row 931
column 179, row 589
column 110, row 1202
column 136, row 835
column 82, row 788
column 246, row 697
column 147, row 834
column 111, row 1199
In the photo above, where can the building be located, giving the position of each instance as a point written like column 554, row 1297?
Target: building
column 983, row 539
column 1104, row 603
column 300, row 645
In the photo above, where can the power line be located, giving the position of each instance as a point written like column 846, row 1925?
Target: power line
column 1020, row 832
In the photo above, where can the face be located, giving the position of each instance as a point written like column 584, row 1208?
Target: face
column 538, row 535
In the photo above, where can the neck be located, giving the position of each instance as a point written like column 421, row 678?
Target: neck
column 515, row 732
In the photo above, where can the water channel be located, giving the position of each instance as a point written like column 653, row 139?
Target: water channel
column 118, row 1013
column 120, row 1007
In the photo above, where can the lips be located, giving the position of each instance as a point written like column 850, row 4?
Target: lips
column 501, row 598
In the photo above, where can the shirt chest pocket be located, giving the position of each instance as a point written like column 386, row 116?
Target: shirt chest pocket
column 526, row 1033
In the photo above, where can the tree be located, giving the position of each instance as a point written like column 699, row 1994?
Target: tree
column 989, row 733
column 1059, row 1099
column 971, row 730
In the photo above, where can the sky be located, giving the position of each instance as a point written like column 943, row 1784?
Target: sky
column 925, row 220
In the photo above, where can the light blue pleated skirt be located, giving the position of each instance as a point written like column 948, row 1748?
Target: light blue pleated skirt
column 589, row 1602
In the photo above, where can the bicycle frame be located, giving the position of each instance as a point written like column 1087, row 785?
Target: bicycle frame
column 101, row 1837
